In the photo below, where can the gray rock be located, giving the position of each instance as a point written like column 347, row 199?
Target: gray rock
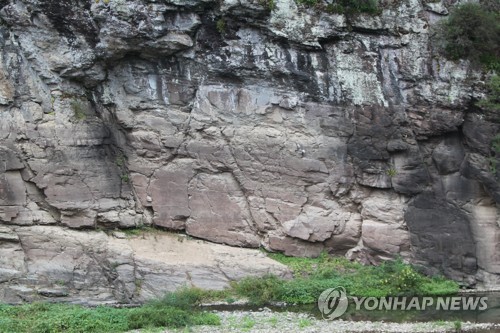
column 94, row 267
column 220, row 212
column 59, row 292
column 8, row 235
column 448, row 156
column 436, row 7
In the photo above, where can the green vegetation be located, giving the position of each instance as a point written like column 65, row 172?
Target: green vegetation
column 269, row 4
column 472, row 31
column 347, row 7
column 139, row 230
column 391, row 172
column 312, row 276
column 492, row 101
column 247, row 323
column 79, row 109
column 142, row 230
column 274, row 321
column 174, row 310
column 221, row 26
column 353, row 7
column 120, row 161
column 304, row 322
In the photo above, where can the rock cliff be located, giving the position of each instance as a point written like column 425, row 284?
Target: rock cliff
column 243, row 122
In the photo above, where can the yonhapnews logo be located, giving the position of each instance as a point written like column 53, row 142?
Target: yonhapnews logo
column 333, row 303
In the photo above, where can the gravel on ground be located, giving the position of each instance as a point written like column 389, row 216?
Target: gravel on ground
column 267, row 321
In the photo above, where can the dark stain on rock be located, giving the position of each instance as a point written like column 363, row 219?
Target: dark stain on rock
column 71, row 17
column 208, row 37
column 3, row 3
column 440, row 235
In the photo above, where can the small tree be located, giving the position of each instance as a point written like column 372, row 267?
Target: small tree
column 472, row 31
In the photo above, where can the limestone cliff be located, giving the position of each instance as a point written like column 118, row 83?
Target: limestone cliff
column 242, row 122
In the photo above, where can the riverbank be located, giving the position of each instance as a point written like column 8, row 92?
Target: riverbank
column 181, row 309
column 267, row 321
column 314, row 275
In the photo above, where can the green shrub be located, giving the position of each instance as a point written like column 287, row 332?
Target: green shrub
column 247, row 323
column 492, row 100
column 391, row 172
column 120, row 160
column 184, row 298
column 472, row 31
column 150, row 316
column 405, row 278
column 79, row 109
column 438, row 286
column 125, row 178
column 259, row 290
column 269, row 4
column 154, row 315
column 205, row 318
column 220, row 25
column 304, row 322
column 54, row 318
column 305, row 291
column 314, row 275
column 322, row 266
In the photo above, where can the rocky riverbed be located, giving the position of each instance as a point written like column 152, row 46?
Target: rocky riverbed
column 268, row 321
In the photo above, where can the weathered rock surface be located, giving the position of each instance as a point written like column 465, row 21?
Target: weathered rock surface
column 52, row 262
column 291, row 129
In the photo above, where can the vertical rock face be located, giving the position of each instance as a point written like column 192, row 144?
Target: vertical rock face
column 441, row 235
column 292, row 129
